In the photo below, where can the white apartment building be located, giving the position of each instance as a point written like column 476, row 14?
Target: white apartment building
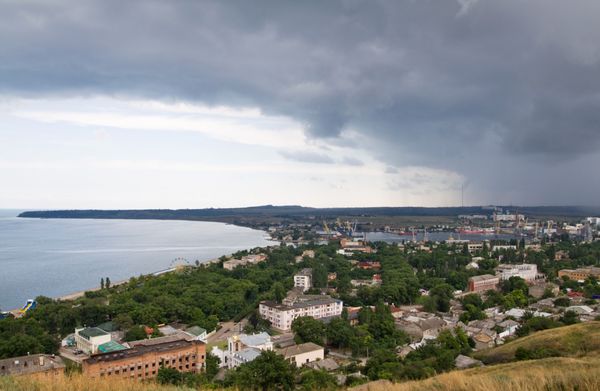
column 499, row 247
column 281, row 316
column 527, row 271
column 303, row 279
column 89, row 339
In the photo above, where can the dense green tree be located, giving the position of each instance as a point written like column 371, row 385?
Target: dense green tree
column 339, row 333
column 471, row 313
column 317, row 380
column 167, row 375
column 514, row 283
column 212, row 366
column 439, row 298
column 562, row 302
column 279, row 292
column 135, row 333
column 570, row 317
column 473, row 299
column 308, row 329
column 269, row 371
column 514, row 299
column 319, row 276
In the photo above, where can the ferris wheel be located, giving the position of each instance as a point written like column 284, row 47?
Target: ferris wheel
column 178, row 262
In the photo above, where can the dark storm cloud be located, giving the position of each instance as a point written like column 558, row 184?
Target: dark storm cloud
column 471, row 86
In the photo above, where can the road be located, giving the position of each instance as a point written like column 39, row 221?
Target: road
column 227, row 330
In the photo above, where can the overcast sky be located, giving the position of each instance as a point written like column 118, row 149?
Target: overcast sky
column 189, row 104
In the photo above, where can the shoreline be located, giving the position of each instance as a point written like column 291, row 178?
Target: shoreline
column 71, row 294
column 77, row 294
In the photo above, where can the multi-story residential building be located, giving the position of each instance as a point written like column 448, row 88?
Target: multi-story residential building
column 41, row 366
column 580, row 274
column 251, row 259
column 500, row 247
column 474, row 247
column 303, row 354
column 89, row 339
column 315, row 306
column 527, row 271
column 303, row 279
column 242, row 348
column 143, row 360
column 483, row 283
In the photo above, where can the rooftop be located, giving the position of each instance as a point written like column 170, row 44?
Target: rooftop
column 483, row 277
column 140, row 350
column 255, row 339
column 299, row 349
column 305, row 272
column 327, row 364
column 180, row 335
column 195, row 330
column 91, row 332
column 25, row 365
column 248, row 354
column 111, row 346
column 108, row 327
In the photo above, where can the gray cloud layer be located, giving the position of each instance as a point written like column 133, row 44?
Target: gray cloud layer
column 505, row 92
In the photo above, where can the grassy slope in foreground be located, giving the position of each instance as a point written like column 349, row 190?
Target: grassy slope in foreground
column 558, row 373
column 78, row 382
column 575, row 340
column 579, row 368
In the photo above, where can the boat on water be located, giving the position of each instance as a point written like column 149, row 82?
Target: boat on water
column 476, row 231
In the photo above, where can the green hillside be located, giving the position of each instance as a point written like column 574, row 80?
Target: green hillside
column 570, row 341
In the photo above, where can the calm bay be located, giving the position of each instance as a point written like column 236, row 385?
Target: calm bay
column 55, row 257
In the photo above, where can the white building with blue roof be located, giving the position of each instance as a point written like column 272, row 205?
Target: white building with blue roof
column 242, row 348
